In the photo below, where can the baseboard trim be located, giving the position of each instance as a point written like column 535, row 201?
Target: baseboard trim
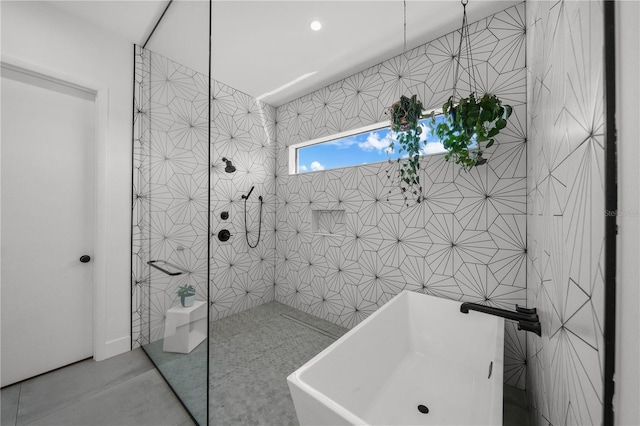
column 113, row 347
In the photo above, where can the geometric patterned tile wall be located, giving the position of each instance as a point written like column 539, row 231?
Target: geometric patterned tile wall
column 171, row 168
column 565, row 226
column 466, row 242
column 243, row 130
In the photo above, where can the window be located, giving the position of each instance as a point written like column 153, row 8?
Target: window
column 365, row 145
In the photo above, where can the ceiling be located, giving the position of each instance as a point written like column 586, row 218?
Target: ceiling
column 266, row 49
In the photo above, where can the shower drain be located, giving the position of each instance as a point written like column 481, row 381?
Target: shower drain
column 423, row 409
column 314, row 328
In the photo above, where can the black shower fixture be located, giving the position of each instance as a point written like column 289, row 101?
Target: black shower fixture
column 230, row 168
column 246, row 228
column 244, row 197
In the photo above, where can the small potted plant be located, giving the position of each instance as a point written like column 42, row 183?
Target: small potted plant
column 187, row 295
column 468, row 122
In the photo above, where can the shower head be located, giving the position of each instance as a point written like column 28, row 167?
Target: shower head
column 230, row 168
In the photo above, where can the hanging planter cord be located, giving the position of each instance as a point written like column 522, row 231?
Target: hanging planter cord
column 405, row 68
column 464, row 36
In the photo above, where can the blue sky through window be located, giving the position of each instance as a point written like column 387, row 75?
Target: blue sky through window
column 363, row 148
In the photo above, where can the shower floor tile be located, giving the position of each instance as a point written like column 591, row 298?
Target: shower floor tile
column 251, row 355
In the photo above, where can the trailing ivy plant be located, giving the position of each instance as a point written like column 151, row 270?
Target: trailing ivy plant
column 405, row 118
column 469, row 121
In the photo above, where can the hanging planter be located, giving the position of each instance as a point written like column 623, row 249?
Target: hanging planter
column 470, row 122
column 405, row 114
column 467, row 125
column 405, row 118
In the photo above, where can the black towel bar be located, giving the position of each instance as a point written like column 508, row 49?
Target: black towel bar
column 164, row 262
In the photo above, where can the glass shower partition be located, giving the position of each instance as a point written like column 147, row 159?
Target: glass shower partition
column 170, row 235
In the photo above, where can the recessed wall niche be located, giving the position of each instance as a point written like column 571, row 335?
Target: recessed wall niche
column 328, row 222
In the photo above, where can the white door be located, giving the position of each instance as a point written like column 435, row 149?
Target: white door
column 47, row 225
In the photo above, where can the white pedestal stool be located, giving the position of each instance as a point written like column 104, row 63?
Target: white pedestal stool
column 185, row 328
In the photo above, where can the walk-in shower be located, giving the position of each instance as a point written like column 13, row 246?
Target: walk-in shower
column 197, row 145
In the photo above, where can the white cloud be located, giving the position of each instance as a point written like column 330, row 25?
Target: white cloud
column 302, row 168
column 342, row 143
column 374, row 143
column 316, row 166
column 433, row 148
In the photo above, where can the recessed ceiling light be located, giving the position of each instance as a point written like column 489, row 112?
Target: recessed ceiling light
column 315, row 25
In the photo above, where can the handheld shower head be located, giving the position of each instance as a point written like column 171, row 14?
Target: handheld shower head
column 250, row 191
column 230, row 168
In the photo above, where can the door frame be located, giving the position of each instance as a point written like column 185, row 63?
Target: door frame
column 100, row 141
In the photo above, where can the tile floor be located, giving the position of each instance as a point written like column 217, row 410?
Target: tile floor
column 187, row 374
column 120, row 391
column 251, row 355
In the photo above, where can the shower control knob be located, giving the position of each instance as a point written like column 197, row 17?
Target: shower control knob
column 224, row 235
column 224, row 215
column 85, row 258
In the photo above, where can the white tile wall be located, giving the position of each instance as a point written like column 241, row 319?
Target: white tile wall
column 171, row 169
column 565, row 226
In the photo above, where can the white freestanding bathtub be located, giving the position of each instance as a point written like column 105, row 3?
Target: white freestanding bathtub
column 416, row 350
